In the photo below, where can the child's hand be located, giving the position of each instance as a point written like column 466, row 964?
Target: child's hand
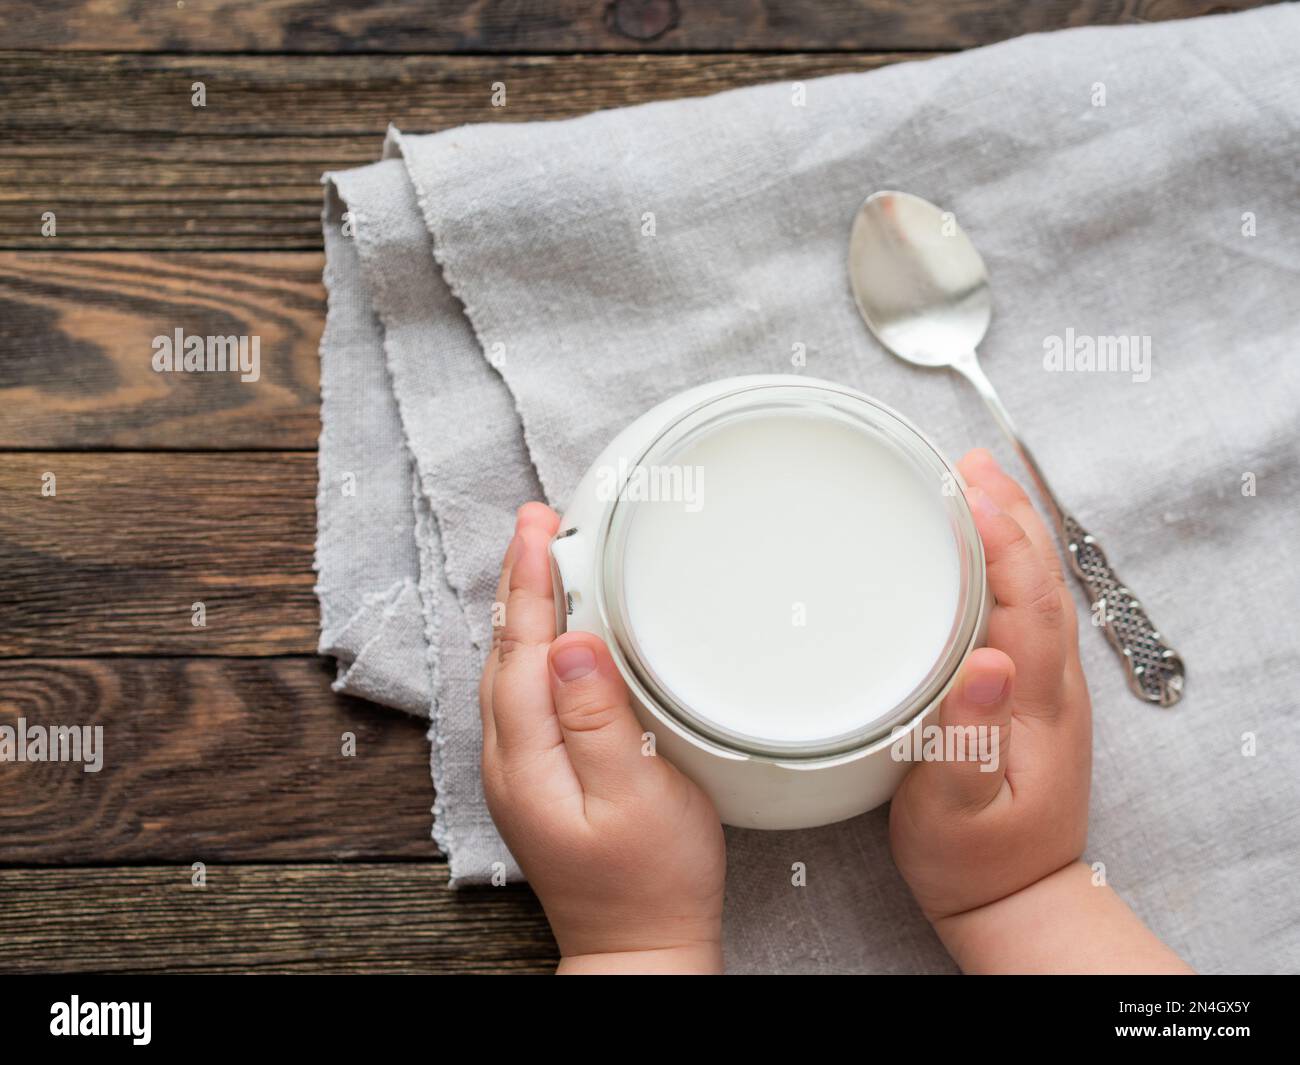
column 961, row 837
column 625, row 854
column 992, row 858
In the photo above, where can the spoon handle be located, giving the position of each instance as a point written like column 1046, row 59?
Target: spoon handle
column 1155, row 671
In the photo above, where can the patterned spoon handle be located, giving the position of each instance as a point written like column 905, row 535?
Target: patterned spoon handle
column 1155, row 672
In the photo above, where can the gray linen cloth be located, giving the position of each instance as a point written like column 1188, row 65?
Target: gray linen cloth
column 504, row 298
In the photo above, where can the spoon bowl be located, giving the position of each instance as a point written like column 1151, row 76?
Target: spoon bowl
column 918, row 280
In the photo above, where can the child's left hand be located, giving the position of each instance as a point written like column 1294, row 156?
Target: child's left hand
column 625, row 854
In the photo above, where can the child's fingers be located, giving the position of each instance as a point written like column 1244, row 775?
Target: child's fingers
column 529, row 514
column 981, row 470
column 488, row 678
column 1029, row 620
column 529, row 605
column 539, row 515
column 521, row 704
column 601, row 733
column 976, row 720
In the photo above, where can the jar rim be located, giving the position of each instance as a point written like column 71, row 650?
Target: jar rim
column 807, row 397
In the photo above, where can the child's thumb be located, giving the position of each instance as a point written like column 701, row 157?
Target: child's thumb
column 976, row 720
column 601, row 733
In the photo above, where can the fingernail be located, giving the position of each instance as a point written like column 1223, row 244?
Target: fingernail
column 986, row 688
column 981, row 501
column 573, row 662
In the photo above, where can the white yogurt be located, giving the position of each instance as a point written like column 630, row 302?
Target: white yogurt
column 806, row 590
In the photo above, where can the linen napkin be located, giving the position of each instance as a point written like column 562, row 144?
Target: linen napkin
column 504, row 298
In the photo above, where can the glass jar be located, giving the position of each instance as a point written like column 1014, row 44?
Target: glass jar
column 801, row 486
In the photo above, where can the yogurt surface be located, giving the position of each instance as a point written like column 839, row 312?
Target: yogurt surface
column 806, row 586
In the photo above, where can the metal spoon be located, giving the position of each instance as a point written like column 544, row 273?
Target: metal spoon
column 924, row 292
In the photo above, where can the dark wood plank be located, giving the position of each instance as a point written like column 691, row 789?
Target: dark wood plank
column 211, row 759
column 78, row 332
column 113, row 147
column 364, row 918
column 339, row 96
column 561, row 25
column 113, row 563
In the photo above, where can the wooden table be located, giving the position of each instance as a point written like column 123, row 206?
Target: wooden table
column 222, row 742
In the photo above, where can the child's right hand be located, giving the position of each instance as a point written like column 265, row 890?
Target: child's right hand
column 992, row 858
column 963, row 838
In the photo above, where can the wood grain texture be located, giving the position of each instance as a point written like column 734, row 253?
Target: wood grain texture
column 363, row 918
column 76, row 350
column 560, row 25
column 113, row 563
column 214, row 760
column 112, row 146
